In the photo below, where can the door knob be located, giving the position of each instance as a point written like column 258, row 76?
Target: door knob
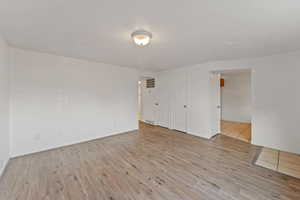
column 218, row 106
column 185, row 106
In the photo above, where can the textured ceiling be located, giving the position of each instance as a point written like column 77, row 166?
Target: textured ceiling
column 184, row 32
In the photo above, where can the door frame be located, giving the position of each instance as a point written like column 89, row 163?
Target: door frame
column 251, row 70
column 215, row 103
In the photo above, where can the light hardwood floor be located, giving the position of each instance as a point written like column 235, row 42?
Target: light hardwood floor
column 152, row 163
column 281, row 161
column 237, row 130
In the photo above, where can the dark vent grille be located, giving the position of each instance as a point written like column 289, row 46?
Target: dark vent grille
column 150, row 83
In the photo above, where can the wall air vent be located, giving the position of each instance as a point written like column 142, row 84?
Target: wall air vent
column 150, row 83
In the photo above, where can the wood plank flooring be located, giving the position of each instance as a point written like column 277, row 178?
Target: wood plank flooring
column 281, row 161
column 153, row 163
column 237, row 130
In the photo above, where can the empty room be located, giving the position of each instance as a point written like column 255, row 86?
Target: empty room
column 158, row 100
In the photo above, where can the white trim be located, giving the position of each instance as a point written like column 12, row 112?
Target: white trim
column 4, row 167
column 198, row 135
column 15, row 155
column 149, row 122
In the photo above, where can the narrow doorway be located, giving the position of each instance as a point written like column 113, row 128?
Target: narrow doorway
column 235, row 88
column 140, row 101
column 147, row 103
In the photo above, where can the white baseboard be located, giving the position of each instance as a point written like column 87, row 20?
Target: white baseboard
column 20, row 154
column 149, row 122
column 3, row 167
column 199, row 135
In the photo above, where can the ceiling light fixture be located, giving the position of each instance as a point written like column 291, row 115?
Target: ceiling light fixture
column 141, row 37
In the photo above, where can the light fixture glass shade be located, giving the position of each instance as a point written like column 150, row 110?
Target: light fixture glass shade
column 141, row 37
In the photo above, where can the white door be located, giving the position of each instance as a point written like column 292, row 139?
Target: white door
column 140, row 100
column 179, row 89
column 215, row 103
column 149, row 104
column 163, row 100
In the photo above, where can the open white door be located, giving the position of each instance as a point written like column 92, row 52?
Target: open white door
column 150, row 104
column 215, row 103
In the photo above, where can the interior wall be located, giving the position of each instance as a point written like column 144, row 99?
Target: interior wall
column 58, row 101
column 236, row 97
column 274, row 83
column 4, row 105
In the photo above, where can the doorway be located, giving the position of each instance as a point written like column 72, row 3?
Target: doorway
column 147, row 103
column 140, row 100
column 232, row 97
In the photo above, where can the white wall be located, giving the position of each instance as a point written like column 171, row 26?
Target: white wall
column 275, row 98
column 236, row 97
column 4, row 105
column 58, row 101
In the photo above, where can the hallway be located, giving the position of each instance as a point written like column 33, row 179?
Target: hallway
column 237, row 130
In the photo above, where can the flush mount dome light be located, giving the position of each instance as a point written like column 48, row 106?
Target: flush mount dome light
column 141, row 37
